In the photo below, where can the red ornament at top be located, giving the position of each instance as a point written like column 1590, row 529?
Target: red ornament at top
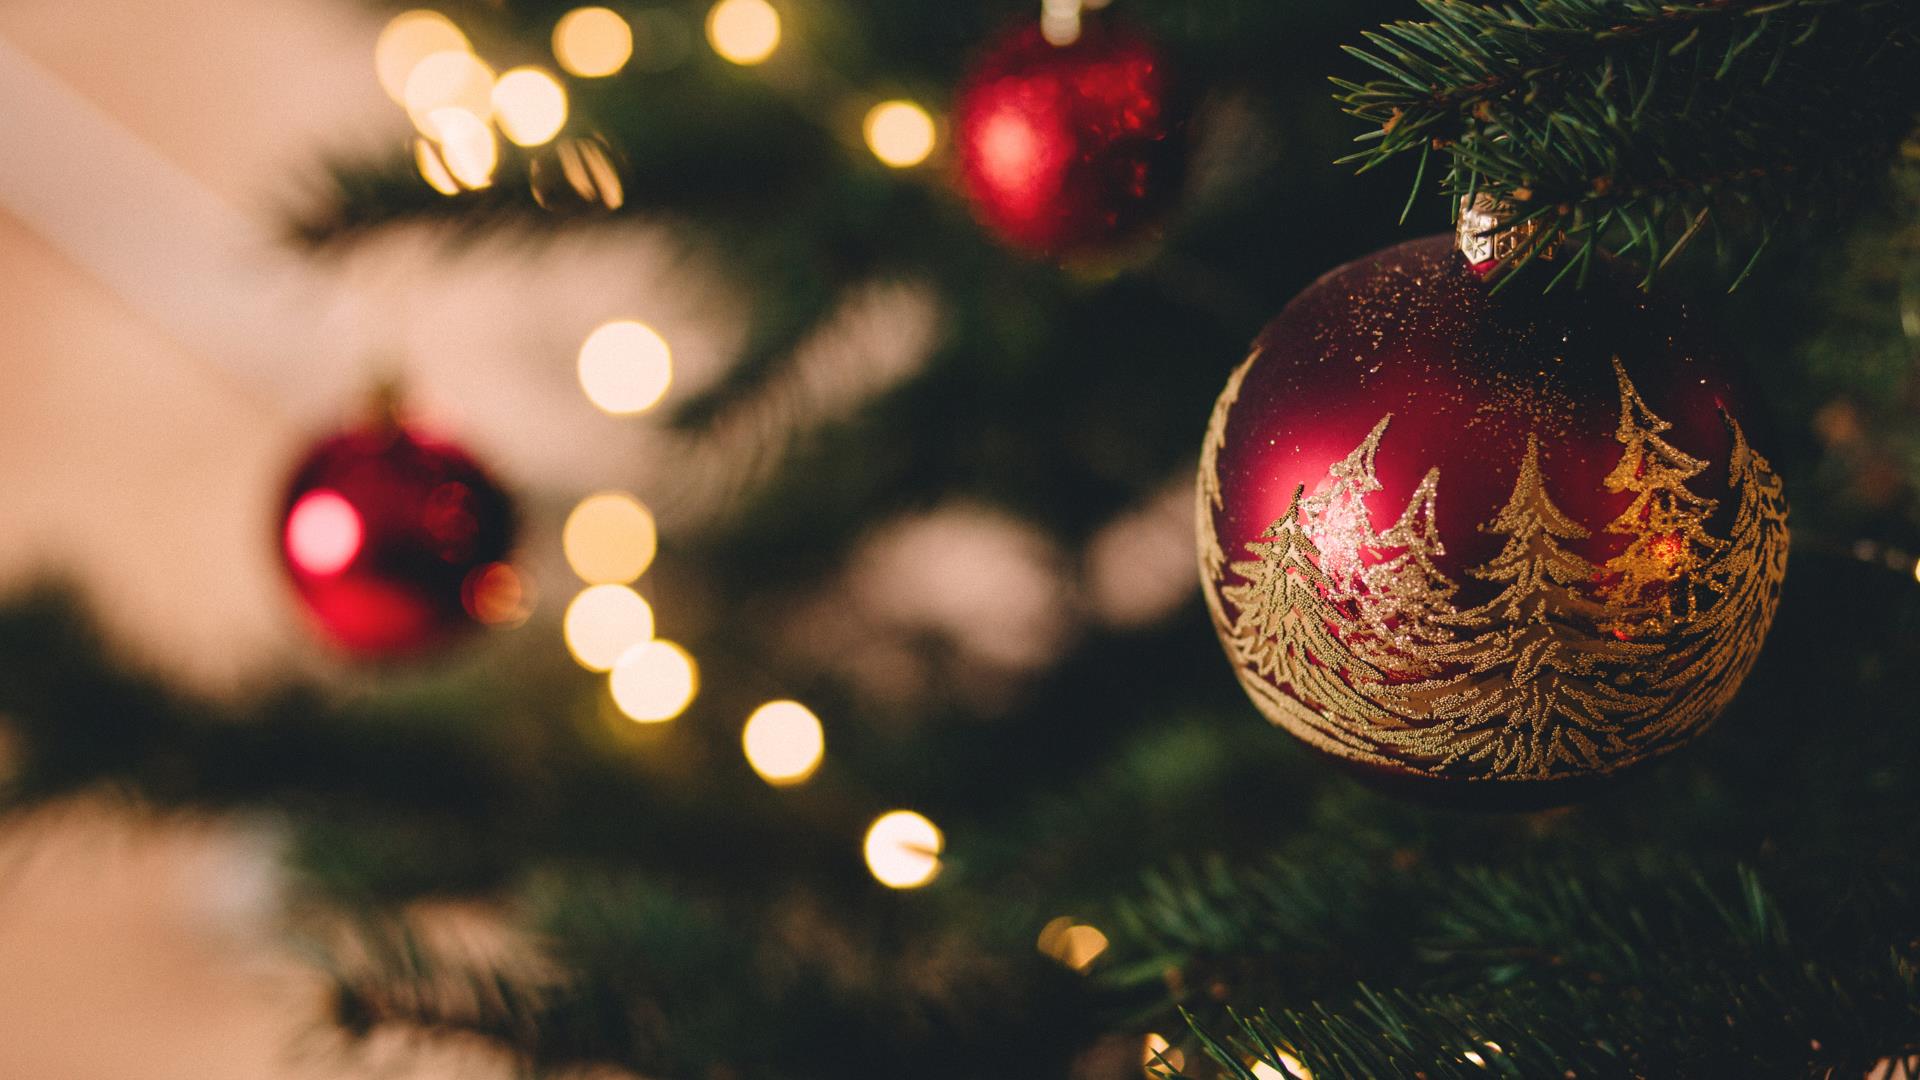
column 1496, row 546
column 395, row 540
column 1069, row 150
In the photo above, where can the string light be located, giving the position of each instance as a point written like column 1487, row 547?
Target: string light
column 1295, row 1070
column 1157, row 1053
column 592, row 42
column 1060, row 21
column 497, row 595
column 529, row 105
column 745, row 32
column 1076, row 945
column 1916, row 570
column 625, row 367
column 432, row 169
column 903, row 849
column 609, row 538
column 409, row 38
column 654, row 681
column 467, row 147
column 603, row 622
column 784, row 742
column 451, row 80
column 900, row 133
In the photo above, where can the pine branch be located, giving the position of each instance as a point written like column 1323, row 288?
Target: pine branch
column 1639, row 125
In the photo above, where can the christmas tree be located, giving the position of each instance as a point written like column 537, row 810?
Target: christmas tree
column 1025, row 824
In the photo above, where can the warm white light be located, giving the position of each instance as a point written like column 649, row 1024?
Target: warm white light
column 1158, row 1054
column 1475, row 1058
column 654, row 681
column 609, row 538
column 1294, row 1069
column 743, row 31
column 625, row 367
column 899, row 133
column 432, row 169
column 529, row 105
column 1076, row 945
column 784, row 742
column 467, row 147
column 903, row 850
column 592, row 42
column 1916, row 570
column 603, row 622
column 447, row 80
column 1060, row 21
column 411, row 37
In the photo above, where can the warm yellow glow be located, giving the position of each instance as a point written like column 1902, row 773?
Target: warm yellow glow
column 899, row 133
column 1916, row 570
column 1076, row 945
column 654, row 681
column 903, row 849
column 497, row 595
column 592, row 42
column 1158, row 1054
column 432, row 169
column 603, row 622
column 467, row 147
column 784, row 742
column 529, row 105
column 743, row 31
column 1060, row 21
column 448, row 80
column 609, row 539
column 1475, row 1058
column 625, row 367
column 1294, row 1069
column 411, row 37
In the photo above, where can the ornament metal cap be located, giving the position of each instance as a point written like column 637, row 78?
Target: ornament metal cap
column 1485, row 236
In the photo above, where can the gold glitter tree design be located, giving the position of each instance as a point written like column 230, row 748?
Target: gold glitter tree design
column 1666, row 522
column 1534, row 696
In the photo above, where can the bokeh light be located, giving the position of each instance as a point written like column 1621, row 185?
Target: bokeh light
column 324, row 532
column 529, row 105
column 409, row 38
column 625, row 367
column 609, row 538
column 900, row 133
column 450, row 80
column 467, row 147
column 432, row 169
column 1060, row 21
column 592, row 42
column 903, row 849
column 784, row 742
column 1294, row 1069
column 743, row 31
column 1158, row 1054
column 603, row 622
column 654, row 681
column 1074, row 944
column 497, row 595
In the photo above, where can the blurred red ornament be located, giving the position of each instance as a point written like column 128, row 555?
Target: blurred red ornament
column 1495, row 547
column 395, row 540
column 1069, row 150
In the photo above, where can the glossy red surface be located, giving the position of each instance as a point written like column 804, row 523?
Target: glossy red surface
column 1071, row 149
column 1463, row 378
column 1467, row 375
column 381, row 529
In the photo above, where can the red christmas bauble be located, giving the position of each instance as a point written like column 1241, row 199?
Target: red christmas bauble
column 1069, row 150
column 394, row 539
column 1497, row 546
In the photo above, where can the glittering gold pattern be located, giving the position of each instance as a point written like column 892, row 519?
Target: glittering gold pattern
column 1351, row 639
column 1484, row 236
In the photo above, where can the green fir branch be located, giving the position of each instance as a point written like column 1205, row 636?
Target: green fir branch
column 1638, row 126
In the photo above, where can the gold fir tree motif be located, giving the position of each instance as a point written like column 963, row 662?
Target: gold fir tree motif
column 1352, row 639
column 1666, row 523
column 1213, row 559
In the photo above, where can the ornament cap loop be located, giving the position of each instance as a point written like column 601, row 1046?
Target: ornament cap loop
column 1487, row 235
